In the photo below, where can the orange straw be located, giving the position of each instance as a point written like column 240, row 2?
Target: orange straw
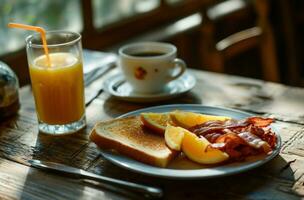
column 42, row 34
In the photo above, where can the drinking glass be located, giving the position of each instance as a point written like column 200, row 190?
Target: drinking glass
column 57, row 84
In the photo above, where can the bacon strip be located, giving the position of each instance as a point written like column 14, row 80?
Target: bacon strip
column 212, row 126
column 217, row 126
column 254, row 141
column 239, row 138
column 259, row 121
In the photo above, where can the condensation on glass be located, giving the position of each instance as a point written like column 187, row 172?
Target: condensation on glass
column 106, row 12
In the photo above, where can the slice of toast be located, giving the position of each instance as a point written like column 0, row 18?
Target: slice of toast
column 128, row 137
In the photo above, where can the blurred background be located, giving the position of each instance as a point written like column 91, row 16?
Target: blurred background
column 258, row 39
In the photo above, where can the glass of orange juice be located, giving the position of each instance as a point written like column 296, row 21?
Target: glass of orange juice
column 57, row 81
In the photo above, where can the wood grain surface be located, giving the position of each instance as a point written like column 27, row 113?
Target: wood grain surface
column 282, row 178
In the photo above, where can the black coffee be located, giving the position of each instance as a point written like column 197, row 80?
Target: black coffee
column 148, row 54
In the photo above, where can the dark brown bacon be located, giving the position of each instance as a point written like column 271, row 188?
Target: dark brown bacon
column 217, row 126
column 231, row 141
column 212, row 137
column 254, row 141
column 259, row 121
column 270, row 138
column 239, row 138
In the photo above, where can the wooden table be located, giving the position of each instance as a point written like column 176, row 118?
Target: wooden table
column 282, row 178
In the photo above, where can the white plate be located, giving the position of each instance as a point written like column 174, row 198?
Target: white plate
column 203, row 173
column 118, row 87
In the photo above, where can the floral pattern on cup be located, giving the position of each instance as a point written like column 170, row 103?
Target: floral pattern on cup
column 140, row 73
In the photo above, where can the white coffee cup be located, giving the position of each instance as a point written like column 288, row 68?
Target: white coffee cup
column 149, row 66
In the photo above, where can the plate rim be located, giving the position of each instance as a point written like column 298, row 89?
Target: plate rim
column 198, row 173
column 147, row 98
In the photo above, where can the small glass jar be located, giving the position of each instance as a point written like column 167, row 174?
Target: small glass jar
column 9, row 86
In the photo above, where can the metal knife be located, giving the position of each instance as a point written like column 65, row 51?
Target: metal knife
column 79, row 173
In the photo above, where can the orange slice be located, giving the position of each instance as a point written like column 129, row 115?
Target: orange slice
column 155, row 121
column 198, row 150
column 189, row 119
column 174, row 136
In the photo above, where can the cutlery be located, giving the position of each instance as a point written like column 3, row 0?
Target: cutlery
column 89, row 78
column 79, row 173
column 96, row 63
column 95, row 74
column 117, row 85
column 94, row 97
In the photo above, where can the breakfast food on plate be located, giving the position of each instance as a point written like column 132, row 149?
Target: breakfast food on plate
column 129, row 137
column 199, row 150
column 189, row 119
column 156, row 138
column 155, row 121
column 239, row 138
column 195, row 148
column 174, row 137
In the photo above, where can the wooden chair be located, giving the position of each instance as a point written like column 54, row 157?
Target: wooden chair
column 215, row 53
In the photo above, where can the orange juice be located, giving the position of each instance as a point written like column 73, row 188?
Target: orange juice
column 58, row 89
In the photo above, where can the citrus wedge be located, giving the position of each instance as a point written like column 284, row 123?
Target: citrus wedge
column 174, row 136
column 189, row 119
column 198, row 150
column 155, row 121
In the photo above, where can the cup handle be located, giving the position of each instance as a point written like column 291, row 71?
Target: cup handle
column 182, row 67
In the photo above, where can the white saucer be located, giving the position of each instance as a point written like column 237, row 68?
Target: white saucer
column 118, row 87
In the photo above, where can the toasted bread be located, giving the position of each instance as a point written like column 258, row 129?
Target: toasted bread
column 128, row 137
